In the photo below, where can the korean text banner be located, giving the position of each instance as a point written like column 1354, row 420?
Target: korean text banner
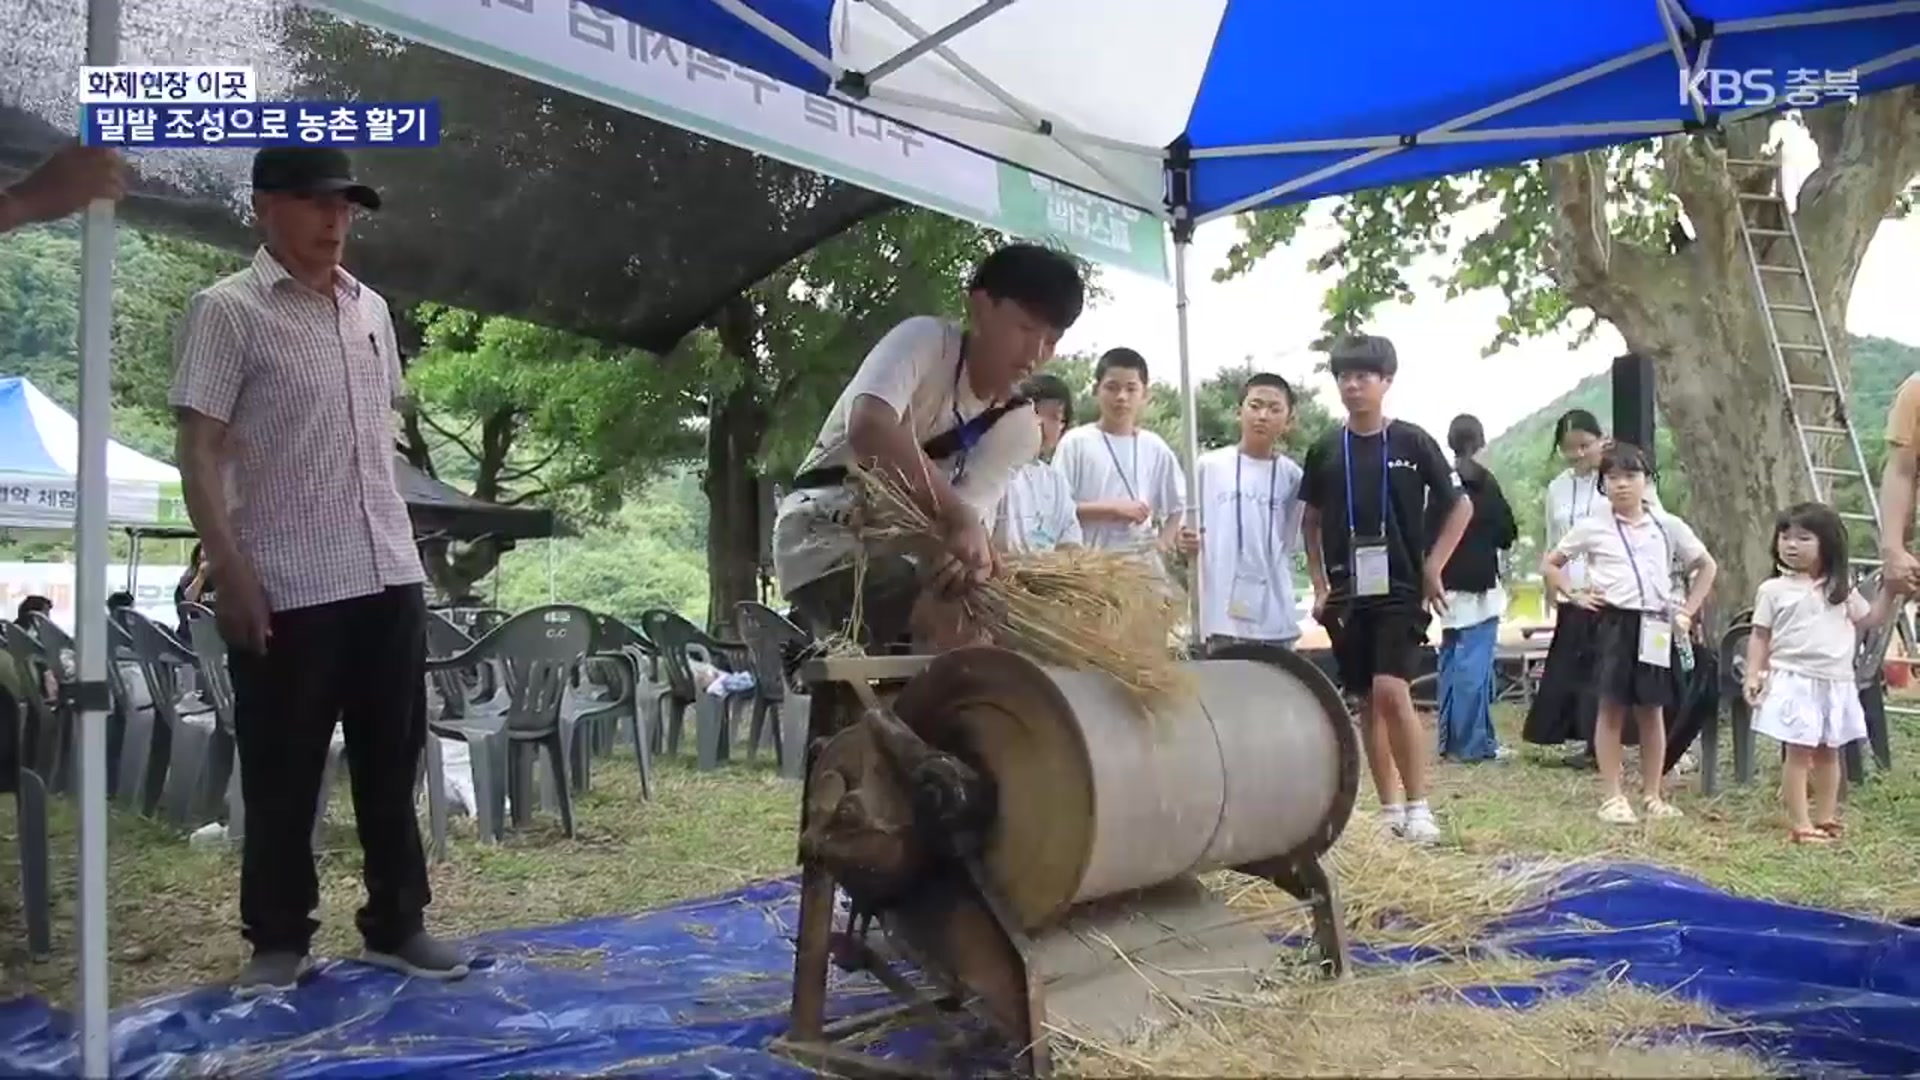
column 579, row 48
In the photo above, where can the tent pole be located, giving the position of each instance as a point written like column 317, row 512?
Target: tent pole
column 97, row 242
column 1191, row 412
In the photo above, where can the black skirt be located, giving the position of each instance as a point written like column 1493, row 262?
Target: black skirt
column 1564, row 705
column 1619, row 675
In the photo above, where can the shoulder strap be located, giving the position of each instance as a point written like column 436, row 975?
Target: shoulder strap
column 938, row 448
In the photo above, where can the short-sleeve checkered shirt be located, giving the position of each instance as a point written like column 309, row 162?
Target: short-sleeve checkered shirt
column 306, row 386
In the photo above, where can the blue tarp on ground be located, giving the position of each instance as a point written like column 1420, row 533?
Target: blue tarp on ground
column 699, row 989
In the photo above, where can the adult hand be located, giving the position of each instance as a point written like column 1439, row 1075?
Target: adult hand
column 1682, row 623
column 1902, row 570
column 1320, row 605
column 1584, row 600
column 69, row 180
column 1434, row 591
column 244, row 617
column 1187, row 540
column 1135, row 512
column 1755, row 687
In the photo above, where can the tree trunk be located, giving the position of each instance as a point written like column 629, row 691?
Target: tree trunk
column 735, row 430
column 454, row 568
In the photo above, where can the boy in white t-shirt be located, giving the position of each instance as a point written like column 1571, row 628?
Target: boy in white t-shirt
column 1250, row 512
column 1126, row 480
column 1037, row 512
column 933, row 404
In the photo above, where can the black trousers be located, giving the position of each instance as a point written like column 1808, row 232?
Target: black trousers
column 360, row 663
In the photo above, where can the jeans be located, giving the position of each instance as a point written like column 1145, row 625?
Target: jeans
column 1466, row 692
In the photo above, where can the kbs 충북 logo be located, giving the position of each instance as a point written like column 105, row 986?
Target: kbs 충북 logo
column 1764, row 88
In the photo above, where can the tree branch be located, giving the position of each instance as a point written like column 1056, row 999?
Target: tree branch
column 515, row 475
column 1869, row 153
column 1590, row 268
column 456, row 440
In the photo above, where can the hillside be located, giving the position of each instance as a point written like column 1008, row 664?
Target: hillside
column 1524, row 459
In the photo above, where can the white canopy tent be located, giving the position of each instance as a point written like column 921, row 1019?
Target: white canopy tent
column 40, row 462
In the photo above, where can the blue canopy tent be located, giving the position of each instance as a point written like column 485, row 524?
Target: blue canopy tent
column 1184, row 112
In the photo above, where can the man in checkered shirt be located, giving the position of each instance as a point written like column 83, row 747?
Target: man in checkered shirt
column 286, row 375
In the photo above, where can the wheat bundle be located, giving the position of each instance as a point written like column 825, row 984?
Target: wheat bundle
column 1080, row 609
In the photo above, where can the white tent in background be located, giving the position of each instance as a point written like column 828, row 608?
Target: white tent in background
column 39, row 460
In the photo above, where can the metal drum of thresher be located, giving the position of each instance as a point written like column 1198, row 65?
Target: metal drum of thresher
column 1097, row 794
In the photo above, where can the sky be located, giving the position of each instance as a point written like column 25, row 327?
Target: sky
column 1273, row 312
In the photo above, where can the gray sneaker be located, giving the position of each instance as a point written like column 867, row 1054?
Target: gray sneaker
column 422, row 956
column 271, row 973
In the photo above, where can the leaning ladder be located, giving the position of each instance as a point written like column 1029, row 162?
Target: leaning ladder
column 1815, row 395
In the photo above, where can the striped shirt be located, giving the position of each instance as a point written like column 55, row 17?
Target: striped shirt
column 306, row 385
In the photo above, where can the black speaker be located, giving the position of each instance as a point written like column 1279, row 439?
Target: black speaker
column 1633, row 403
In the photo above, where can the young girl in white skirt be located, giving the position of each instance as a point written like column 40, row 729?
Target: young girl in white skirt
column 1800, row 663
column 1630, row 554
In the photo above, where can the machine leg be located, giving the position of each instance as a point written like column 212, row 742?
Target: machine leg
column 810, row 955
column 1309, row 882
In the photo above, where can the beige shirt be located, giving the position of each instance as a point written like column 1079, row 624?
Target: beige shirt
column 1630, row 565
column 1808, row 635
column 1903, row 420
column 306, row 385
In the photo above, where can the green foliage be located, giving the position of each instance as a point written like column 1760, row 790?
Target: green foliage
column 1216, row 406
column 650, row 553
column 1524, row 459
column 154, row 277
column 1383, row 230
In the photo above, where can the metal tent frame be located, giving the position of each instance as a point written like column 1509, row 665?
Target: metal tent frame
column 1689, row 43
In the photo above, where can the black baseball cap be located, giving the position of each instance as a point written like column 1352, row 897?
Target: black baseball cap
column 308, row 170
column 1363, row 352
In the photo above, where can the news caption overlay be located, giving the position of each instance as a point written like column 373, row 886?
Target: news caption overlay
column 183, row 107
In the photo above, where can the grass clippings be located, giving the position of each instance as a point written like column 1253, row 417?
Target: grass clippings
column 1080, row 609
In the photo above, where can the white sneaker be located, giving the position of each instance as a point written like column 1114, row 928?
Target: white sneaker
column 1502, row 753
column 1421, row 828
column 1617, row 811
column 1393, row 820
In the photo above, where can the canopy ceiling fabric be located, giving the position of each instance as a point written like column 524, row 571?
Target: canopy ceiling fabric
column 1283, row 102
column 538, row 204
column 439, row 510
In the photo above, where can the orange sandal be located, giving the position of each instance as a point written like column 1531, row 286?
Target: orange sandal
column 1831, row 828
column 1809, row 836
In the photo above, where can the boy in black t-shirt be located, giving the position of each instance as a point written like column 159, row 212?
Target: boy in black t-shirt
column 1368, row 487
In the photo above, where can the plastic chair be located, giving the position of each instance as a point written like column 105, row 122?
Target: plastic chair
column 44, row 743
column 680, row 643
column 200, row 753
column 770, row 639
column 58, row 656
column 536, row 650
column 216, row 687
column 18, row 685
column 628, row 661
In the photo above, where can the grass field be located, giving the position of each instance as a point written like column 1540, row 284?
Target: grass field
column 174, row 922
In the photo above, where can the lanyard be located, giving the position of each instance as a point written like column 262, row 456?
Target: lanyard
column 968, row 436
column 1240, row 520
column 1639, row 585
column 1573, row 499
column 1346, row 463
column 1128, row 484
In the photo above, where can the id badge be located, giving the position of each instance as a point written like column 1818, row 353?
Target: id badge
column 1656, row 641
column 1247, row 601
column 1370, row 574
